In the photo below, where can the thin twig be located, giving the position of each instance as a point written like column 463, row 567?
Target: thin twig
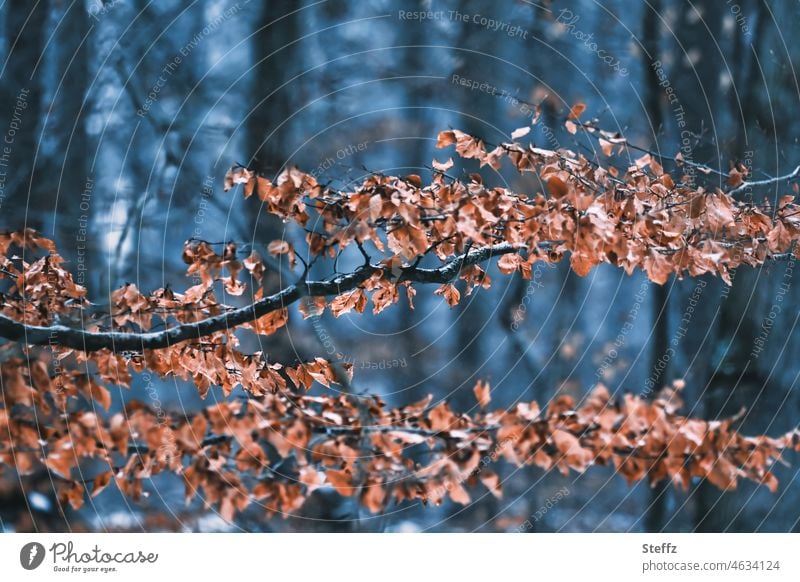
column 755, row 183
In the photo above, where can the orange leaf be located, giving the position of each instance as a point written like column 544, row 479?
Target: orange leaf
column 577, row 110
column 373, row 497
column 450, row 293
column 341, row 481
column 458, row 493
column 101, row 482
column 446, row 138
column 557, row 186
column 491, row 481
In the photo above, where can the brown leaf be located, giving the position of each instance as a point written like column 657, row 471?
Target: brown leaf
column 72, row 493
column 446, row 138
column 482, row 393
column 101, row 482
column 373, row 497
column 458, row 493
column 557, row 187
column 60, row 463
column 450, row 293
column 441, row 418
column 577, row 110
column 491, row 481
column 341, row 481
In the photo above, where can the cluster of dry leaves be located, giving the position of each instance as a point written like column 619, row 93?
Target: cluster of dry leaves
column 637, row 218
column 276, row 449
column 280, row 443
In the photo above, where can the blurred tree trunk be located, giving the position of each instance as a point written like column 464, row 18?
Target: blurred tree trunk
column 276, row 59
column 66, row 166
column 697, row 85
column 656, row 517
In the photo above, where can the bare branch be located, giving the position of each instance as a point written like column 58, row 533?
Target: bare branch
column 744, row 185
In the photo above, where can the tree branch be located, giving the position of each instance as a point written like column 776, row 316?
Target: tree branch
column 744, row 185
column 89, row 341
